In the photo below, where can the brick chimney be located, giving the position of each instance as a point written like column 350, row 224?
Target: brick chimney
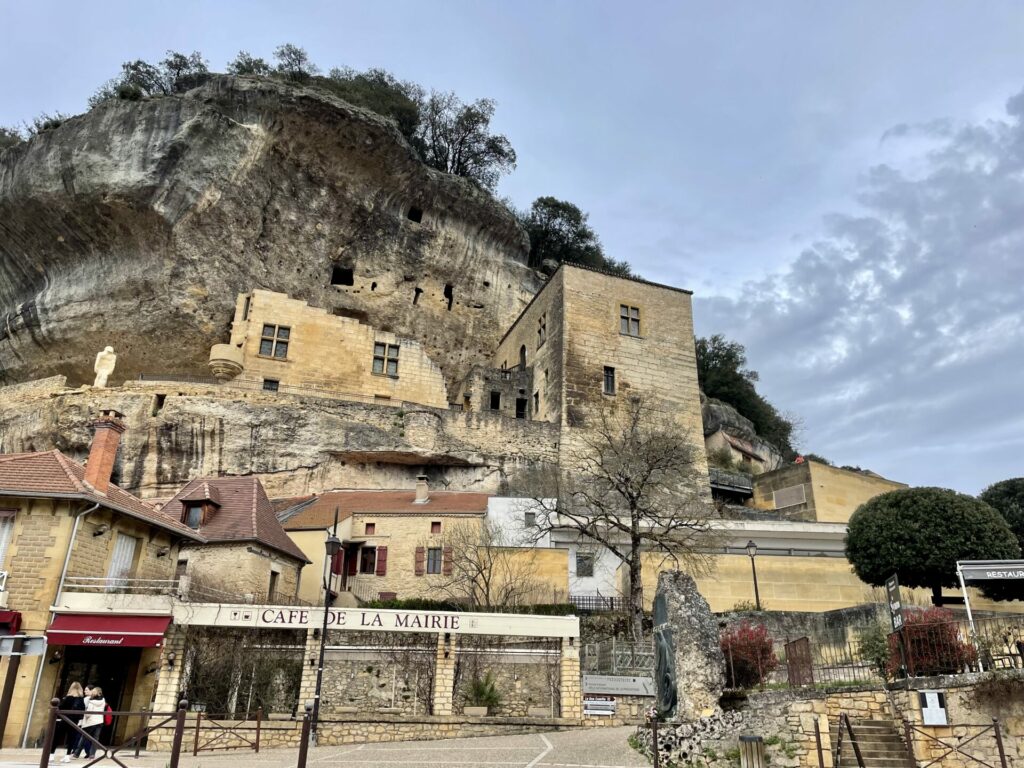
column 422, row 491
column 106, row 439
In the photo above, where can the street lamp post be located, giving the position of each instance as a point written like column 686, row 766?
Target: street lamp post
column 332, row 546
column 752, row 552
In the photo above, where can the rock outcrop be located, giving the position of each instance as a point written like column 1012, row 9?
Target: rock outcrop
column 295, row 445
column 138, row 223
column 690, row 672
column 717, row 415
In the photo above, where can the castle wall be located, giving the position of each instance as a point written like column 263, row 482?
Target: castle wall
column 545, row 357
column 307, row 346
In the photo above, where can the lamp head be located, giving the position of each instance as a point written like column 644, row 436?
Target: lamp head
column 752, row 549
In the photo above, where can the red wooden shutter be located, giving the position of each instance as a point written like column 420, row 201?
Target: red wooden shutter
column 382, row 561
column 353, row 565
column 421, row 557
column 338, row 562
column 446, row 561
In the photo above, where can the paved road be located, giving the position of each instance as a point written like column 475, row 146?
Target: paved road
column 584, row 748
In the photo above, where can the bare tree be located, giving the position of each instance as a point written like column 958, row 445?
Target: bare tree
column 480, row 568
column 632, row 481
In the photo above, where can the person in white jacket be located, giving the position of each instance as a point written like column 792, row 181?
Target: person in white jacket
column 92, row 721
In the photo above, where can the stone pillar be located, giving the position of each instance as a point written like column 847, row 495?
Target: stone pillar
column 307, row 687
column 170, row 677
column 570, row 683
column 444, row 675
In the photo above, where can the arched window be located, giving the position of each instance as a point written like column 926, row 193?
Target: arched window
column 522, row 357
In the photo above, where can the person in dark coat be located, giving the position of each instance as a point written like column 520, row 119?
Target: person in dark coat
column 64, row 735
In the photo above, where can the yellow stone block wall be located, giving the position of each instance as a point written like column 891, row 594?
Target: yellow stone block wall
column 661, row 363
column 34, row 560
column 325, row 350
column 791, row 584
column 401, row 533
column 546, row 359
column 545, row 570
column 832, row 494
column 235, row 569
column 838, row 493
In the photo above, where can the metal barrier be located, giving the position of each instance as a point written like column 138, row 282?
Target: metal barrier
column 957, row 748
column 133, row 743
column 222, row 733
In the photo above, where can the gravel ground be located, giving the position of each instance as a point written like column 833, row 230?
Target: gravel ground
column 583, row 748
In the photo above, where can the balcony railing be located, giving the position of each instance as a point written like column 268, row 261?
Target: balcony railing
column 182, row 589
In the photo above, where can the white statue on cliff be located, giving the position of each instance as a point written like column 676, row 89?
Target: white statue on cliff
column 105, row 362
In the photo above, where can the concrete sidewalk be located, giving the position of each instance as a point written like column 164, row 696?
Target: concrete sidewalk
column 583, row 748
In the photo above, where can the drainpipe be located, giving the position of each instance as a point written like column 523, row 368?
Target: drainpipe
column 60, row 592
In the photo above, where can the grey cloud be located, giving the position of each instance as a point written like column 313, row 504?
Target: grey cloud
column 898, row 335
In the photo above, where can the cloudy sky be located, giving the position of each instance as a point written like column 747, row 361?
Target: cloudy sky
column 842, row 185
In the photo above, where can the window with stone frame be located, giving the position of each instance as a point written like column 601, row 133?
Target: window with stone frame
column 609, row 380
column 629, row 320
column 274, row 341
column 368, row 560
column 584, row 564
column 6, row 531
column 495, row 401
column 370, row 529
column 542, row 329
column 385, row 359
column 271, row 385
column 434, row 559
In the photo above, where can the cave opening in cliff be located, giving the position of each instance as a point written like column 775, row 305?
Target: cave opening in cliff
column 449, row 294
column 415, row 214
column 342, row 275
column 416, row 296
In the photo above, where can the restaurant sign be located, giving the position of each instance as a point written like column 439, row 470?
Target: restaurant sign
column 992, row 570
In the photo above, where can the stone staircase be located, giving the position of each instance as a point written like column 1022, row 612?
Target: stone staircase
column 880, row 745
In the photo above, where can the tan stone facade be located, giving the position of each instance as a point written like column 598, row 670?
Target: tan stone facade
column 246, row 569
column 37, row 545
column 813, row 491
column 287, row 343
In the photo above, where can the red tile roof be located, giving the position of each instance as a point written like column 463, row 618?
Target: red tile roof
column 51, row 474
column 318, row 512
column 244, row 513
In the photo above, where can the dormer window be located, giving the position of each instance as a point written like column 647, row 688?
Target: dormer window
column 193, row 516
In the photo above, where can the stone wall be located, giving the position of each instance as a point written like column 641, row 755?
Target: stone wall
column 324, row 350
column 242, row 569
column 544, row 354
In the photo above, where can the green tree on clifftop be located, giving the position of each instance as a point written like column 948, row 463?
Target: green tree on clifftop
column 723, row 374
column 559, row 231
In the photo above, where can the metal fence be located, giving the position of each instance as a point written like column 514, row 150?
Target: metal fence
column 619, row 657
column 598, row 603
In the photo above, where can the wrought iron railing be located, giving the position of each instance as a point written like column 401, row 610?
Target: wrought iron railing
column 598, row 603
column 182, row 589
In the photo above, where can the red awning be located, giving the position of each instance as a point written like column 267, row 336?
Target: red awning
column 104, row 631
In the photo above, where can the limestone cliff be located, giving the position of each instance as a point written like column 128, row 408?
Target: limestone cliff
column 136, row 225
column 718, row 415
column 296, row 445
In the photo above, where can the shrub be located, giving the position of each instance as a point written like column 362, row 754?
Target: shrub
column 873, row 646
column 749, row 655
column 483, row 692
column 931, row 645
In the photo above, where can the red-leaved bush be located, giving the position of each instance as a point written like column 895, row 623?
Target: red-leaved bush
column 932, row 645
column 749, row 655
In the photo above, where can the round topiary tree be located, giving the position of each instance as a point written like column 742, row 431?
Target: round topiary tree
column 920, row 533
column 1007, row 498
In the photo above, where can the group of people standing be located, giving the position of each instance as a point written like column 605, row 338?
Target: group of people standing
column 88, row 711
